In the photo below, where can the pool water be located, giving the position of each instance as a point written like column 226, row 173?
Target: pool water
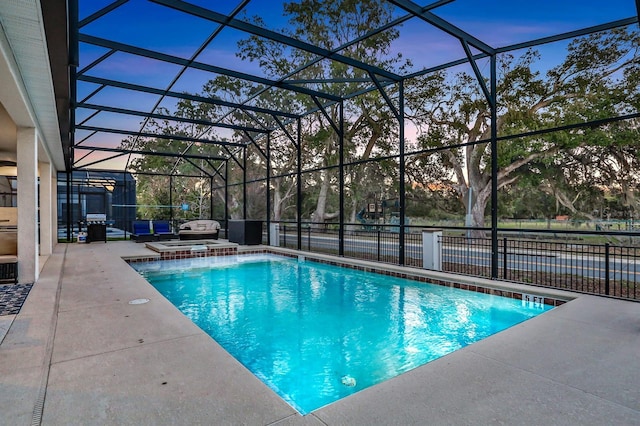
column 317, row 333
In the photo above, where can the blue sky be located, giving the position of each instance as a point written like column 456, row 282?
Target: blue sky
column 497, row 22
column 152, row 26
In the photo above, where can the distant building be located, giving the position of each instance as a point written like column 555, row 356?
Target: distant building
column 109, row 193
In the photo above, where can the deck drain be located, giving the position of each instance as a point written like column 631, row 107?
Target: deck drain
column 138, row 301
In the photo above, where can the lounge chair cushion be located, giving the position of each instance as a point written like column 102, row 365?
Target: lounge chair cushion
column 141, row 227
column 141, row 231
column 161, row 227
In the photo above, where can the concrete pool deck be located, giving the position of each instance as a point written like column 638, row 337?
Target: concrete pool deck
column 79, row 353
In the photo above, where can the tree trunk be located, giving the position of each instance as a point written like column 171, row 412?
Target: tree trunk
column 478, row 208
column 319, row 213
column 277, row 203
column 352, row 215
column 233, row 207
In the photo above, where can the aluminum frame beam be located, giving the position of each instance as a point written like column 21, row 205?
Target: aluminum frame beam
column 326, row 115
column 386, row 97
column 443, row 25
column 286, row 132
column 156, row 153
column 365, row 36
column 82, row 169
column 151, row 54
column 156, row 136
column 524, row 45
column 274, row 36
column 100, row 13
column 172, row 94
column 190, row 161
column 569, row 34
column 192, row 58
column 91, row 163
column 125, row 111
column 474, row 66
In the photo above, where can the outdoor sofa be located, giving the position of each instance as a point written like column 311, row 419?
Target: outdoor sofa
column 201, row 229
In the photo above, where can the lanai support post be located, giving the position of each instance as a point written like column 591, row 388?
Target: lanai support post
column 125, row 200
column 490, row 94
column 244, row 183
column 226, row 199
column 299, row 185
column 341, row 181
column 74, row 62
column 69, row 207
column 399, row 114
column 211, row 197
column 494, row 170
column 171, row 199
column 401, row 172
column 268, row 190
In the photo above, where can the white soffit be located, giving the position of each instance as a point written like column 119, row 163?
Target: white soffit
column 27, row 88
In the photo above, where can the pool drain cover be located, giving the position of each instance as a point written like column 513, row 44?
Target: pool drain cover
column 348, row 381
column 138, row 301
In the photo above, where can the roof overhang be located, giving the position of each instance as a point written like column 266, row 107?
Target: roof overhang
column 27, row 92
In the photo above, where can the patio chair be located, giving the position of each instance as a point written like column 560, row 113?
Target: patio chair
column 162, row 230
column 142, row 232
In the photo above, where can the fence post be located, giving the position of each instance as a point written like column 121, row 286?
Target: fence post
column 274, row 234
column 432, row 249
column 378, row 244
column 309, row 238
column 284, row 230
column 606, row 269
column 504, row 258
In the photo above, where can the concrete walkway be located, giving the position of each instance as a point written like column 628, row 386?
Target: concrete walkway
column 79, row 353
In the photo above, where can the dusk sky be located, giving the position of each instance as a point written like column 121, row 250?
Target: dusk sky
column 148, row 25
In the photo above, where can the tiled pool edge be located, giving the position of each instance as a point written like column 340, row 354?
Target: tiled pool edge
column 183, row 254
column 468, row 283
column 550, row 297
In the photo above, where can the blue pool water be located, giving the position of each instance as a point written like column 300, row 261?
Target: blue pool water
column 316, row 333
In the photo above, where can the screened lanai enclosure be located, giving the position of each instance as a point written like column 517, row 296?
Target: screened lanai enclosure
column 356, row 127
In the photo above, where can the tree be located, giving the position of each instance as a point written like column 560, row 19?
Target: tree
column 153, row 191
column 598, row 79
column 329, row 24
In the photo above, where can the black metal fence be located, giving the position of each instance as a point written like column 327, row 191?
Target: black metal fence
column 602, row 269
column 379, row 243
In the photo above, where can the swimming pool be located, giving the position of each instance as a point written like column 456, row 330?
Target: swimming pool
column 316, row 333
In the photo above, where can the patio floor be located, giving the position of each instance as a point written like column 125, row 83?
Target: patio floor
column 79, row 353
